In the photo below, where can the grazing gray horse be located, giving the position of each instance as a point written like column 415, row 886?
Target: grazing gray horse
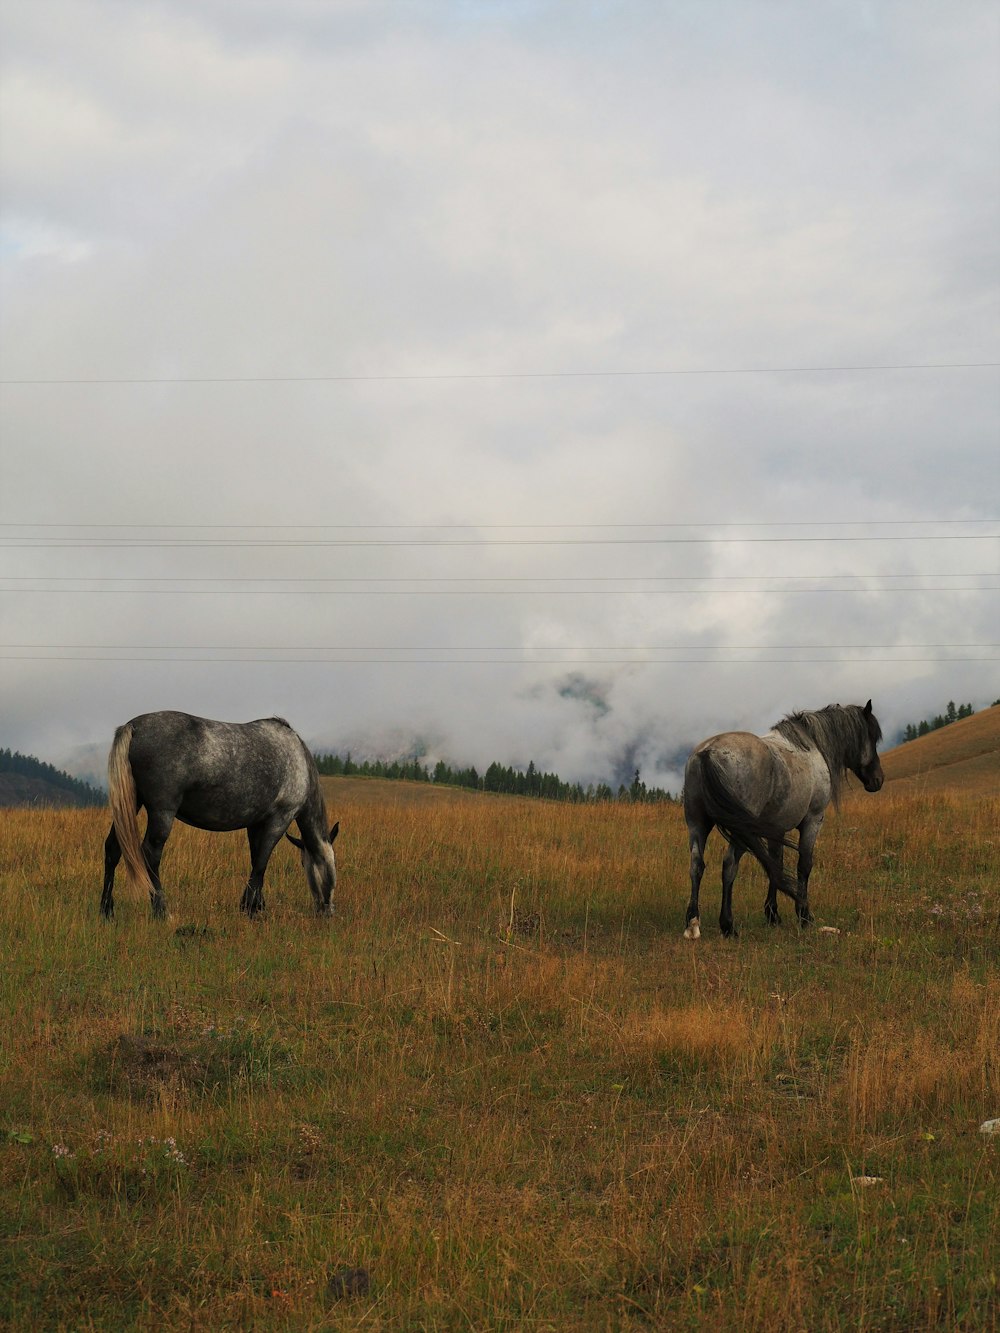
column 756, row 789
column 217, row 776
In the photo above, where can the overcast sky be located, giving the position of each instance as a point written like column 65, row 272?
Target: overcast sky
column 610, row 294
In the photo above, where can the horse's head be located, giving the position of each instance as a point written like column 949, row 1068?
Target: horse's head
column 320, row 866
column 868, row 768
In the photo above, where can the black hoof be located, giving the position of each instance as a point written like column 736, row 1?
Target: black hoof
column 730, row 931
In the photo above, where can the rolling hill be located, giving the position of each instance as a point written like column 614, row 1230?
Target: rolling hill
column 25, row 780
column 399, row 792
column 963, row 756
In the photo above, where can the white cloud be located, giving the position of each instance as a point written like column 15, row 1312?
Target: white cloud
column 382, row 190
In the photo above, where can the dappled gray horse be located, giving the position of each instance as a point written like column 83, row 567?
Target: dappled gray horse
column 756, row 789
column 217, row 776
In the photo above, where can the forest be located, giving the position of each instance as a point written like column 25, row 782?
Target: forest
column 951, row 714
column 501, row 778
column 25, row 766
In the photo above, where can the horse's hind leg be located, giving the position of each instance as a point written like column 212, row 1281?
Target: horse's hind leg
column 158, row 826
column 112, row 855
column 730, row 865
column 777, row 850
column 808, row 833
column 697, row 837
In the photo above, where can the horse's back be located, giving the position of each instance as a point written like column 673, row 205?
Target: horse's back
column 206, row 739
column 733, row 748
column 217, row 774
column 766, row 775
column 739, row 757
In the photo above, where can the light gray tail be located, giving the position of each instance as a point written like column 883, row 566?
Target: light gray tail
column 123, row 801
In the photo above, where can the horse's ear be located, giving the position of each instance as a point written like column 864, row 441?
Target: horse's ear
column 296, row 842
column 868, row 708
column 335, row 830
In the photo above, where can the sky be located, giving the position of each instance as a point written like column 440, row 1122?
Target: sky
column 496, row 381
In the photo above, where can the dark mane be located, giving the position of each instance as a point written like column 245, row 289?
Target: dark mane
column 839, row 732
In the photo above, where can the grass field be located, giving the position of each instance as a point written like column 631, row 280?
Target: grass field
column 500, row 1081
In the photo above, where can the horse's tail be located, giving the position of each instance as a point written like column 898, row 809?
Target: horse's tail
column 739, row 826
column 124, row 812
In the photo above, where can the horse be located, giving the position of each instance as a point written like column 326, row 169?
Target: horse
column 218, row 776
column 756, row 789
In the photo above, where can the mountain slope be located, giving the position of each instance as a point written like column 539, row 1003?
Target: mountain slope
column 25, row 780
column 963, row 756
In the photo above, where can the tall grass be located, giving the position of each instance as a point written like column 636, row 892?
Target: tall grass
column 500, row 1081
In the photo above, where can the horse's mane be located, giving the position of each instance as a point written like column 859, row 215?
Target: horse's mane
column 838, row 732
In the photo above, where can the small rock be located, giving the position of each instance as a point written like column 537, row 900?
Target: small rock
column 829, row 930
column 344, row 1282
column 868, row 1180
column 990, row 1127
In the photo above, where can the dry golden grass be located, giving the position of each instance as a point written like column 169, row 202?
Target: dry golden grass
column 963, row 756
column 500, row 1080
column 894, row 1068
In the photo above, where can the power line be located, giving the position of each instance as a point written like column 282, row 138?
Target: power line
column 433, row 578
column 484, row 661
column 483, row 592
column 493, row 647
column 232, row 544
column 472, row 376
column 438, row 527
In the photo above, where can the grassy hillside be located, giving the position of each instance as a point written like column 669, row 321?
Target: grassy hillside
column 963, row 756
column 500, row 1081
column 390, row 794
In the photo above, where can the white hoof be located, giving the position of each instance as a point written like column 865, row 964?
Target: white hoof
column 693, row 931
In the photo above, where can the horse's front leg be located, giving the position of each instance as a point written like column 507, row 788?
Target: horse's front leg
column 263, row 839
column 776, row 849
column 697, row 837
column 730, row 865
column 808, row 833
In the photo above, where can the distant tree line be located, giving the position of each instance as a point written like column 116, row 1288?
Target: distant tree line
column 498, row 778
column 951, row 714
column 11, row 761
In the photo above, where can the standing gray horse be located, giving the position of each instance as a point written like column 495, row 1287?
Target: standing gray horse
column 756, row 789
column 217, row 776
